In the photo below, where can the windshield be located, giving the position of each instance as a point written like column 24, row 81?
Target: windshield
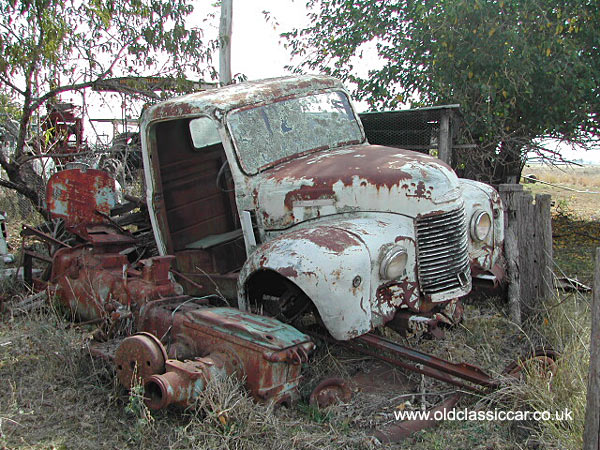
column 269, row 133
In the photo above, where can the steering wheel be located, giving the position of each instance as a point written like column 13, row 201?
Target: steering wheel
column 224, row 174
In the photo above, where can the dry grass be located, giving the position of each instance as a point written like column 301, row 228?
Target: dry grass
column 56, row 396
column 564, row 326
column 579, row 178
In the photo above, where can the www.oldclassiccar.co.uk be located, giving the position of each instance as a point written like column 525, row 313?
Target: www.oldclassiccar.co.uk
column 489, row 415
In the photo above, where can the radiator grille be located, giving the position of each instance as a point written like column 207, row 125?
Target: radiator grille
column 443, row 252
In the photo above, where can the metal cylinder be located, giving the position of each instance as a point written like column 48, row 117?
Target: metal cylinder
column 161, row 391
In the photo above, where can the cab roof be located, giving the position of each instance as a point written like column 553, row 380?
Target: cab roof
column 238, row 95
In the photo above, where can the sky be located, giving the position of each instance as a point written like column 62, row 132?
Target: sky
column 256, row 50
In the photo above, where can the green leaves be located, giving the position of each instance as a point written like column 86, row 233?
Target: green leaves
column 76, row 43
column 520, row 69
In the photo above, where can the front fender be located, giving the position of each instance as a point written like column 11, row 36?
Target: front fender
column 332, row 267
column 479, row 196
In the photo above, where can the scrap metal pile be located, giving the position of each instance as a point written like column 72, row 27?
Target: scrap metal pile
column 174, row 343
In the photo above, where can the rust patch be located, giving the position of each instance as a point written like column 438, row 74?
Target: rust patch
column 408, row 291
column 374, row 164
column 332, row 239
column 288, row 272
column 319, row 191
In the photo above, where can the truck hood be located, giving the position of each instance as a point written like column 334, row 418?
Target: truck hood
column 353, row 179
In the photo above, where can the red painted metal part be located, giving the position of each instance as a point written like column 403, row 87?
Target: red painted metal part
column 81, row 197
column 95, row 285
column 64, row 125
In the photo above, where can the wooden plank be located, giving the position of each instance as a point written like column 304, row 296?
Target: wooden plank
column 525, row 232
column 544, row 244
column 591, row 440
column 527, row 248
column 444, row 140
column 509, row 194
column 511, row 247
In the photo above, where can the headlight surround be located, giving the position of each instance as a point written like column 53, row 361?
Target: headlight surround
column 481, row 224
column 393, row 263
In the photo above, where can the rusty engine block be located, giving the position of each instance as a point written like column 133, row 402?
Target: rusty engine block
column 184, row 341
column 201, row 343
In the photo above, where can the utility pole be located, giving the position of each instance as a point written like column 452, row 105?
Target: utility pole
column 225, row 42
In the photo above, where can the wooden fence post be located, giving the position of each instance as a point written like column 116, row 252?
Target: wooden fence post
column 544, row 254
column 509, row 194
column 445, row 138
column 591, row 439
column 527, row 248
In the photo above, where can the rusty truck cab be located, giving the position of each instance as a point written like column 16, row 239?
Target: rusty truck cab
column 268, row 193
column 196, row 185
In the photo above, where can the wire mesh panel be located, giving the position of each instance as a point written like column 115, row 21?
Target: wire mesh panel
column 411, row 129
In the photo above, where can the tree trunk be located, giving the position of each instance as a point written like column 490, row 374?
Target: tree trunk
column 510, row 164
column 21, row 176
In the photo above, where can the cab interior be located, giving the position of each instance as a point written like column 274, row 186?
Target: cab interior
column 197, row 205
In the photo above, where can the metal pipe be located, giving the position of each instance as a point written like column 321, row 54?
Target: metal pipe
column 161, row 391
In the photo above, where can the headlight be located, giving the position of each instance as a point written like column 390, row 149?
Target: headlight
column 481, row 223
column 393, row 263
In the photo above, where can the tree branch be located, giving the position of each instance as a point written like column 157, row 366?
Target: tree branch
column 78, row 86
column 4, row 80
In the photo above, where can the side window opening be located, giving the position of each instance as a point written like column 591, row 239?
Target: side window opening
column 204, row 133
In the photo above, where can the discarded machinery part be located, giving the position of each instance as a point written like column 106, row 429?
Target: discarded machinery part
column 410, row 324
column 28, row 231
column 93, row 284
column 187, row 279
column 183, row 381
column 329, row 392
column 542, row 360
column 266, row 353
column 140, row 355
column 425, row 363
column 33, row 277
column 395, row 432
column 77, row 195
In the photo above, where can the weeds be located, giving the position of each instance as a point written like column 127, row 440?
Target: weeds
column 144, row 423
column 565, row 327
